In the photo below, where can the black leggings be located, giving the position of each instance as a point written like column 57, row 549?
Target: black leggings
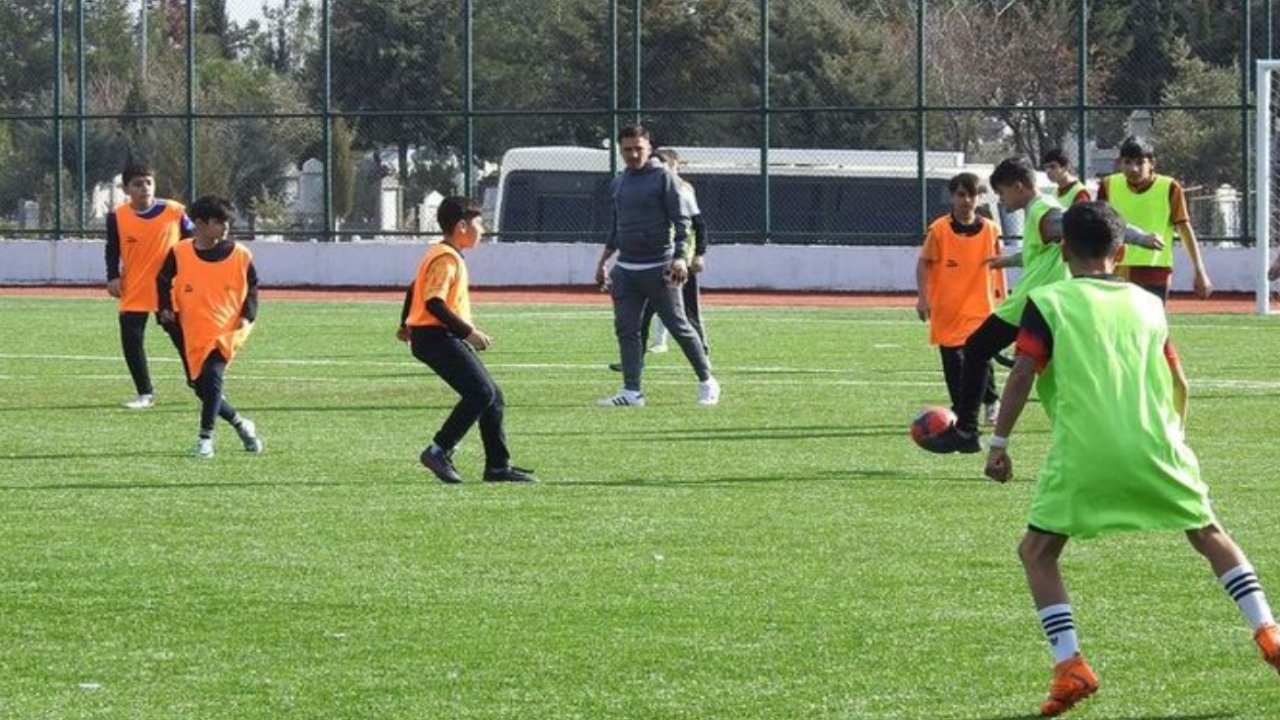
column 133, row 328
column 458, row 365
column 953, row 371
column 208, row 387
column 992, row 336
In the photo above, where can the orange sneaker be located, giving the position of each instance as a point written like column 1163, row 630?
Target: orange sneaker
column 1268, row 640
column 1073, row 681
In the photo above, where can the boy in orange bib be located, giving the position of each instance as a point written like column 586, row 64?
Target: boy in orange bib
column 140, row 234
column 436, row 322
column 208, row 292
column 957, row 286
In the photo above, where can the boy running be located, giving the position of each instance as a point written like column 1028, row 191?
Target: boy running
column 957, row 287
column 1158, row 205
column 208, row 296
column 140, row 234
column 436, row 322
column 1116, row 398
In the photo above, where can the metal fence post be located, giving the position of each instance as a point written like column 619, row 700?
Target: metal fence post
column 468, row 81
column 326, row 39
column 766, row 195
column 637, row 57
column 82, row 184
column 57, row 119
column 1246, row 65
column 613, row 87
column 922, row 136
column 191, row 100
column 1082, row 92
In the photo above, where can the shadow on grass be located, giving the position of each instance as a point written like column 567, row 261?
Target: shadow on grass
column 789, row 432
column 1203, row 716
column 171, row 486
column 97, row 408
column 820, row 476
column 92, row 455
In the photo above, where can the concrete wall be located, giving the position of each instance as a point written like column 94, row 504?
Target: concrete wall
column 765, row 267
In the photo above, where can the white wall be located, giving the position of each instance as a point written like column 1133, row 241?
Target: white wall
column 764, row 267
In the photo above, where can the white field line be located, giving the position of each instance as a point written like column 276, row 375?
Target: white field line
column 740, row 374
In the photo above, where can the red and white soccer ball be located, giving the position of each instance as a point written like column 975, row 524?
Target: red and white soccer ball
column 931, row 421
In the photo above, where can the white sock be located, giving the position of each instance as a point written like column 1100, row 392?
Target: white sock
column 1242, row 585
column 1060, row 628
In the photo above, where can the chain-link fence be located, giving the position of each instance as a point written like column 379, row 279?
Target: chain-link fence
column 799, row 121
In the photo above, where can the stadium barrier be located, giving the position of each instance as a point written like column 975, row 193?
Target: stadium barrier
column 730, row 267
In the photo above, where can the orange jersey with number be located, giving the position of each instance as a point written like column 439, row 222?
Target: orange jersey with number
column 962, row 288
column 443, row 274
column 144, row 244
column 208, row 298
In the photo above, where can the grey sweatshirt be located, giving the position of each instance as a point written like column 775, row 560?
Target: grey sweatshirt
column 646, row 206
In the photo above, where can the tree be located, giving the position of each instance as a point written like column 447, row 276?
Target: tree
column 291, row 36
column 1201, row 147
column 825, row 55
column 397, row 54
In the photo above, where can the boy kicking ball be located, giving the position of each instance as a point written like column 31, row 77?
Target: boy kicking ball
column 1116, row 398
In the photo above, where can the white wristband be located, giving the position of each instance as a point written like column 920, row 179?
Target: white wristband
column 998, row 443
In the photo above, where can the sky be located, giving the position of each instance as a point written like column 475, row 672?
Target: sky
column 239, row 11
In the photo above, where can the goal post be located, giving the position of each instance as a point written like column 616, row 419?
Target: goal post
column 1266, row 181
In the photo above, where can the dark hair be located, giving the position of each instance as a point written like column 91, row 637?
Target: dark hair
column 1013, row 170
column 135, row 168
column 1136, row 148
column 1055, row 156
column 1092, row 230
column 966, row 181
column 455, row 209
column 633, row 131
column 211, row 207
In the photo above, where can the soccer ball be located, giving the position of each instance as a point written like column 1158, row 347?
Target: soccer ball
column 929, row 422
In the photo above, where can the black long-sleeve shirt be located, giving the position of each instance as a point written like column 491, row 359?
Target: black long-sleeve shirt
column 699, row 235
column 437, row 307
column 219, row 252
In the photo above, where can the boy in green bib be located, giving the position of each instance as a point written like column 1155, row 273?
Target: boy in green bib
column 1014, row 180
column 1157, row 204
column 1068, row 188
column 1116, row 398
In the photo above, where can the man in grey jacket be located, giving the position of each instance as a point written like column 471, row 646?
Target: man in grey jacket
column 649, row 229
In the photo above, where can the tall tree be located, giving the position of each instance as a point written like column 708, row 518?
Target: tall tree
column 393, row 55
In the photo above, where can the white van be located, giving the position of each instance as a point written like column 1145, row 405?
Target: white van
column 818, row 197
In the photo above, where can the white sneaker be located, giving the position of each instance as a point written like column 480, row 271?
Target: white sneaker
column 658, row 347
column 709, row 392
column 143, row 401
column 990, row 413
column 624, row 398
column 248, row 433
column 203, row 448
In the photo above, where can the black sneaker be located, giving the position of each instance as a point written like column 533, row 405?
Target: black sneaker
column 440, row 463
column 616, row 367
column 953, row 440
column 510, row 473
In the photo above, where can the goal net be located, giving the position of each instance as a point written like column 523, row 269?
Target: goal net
column 1266, row 215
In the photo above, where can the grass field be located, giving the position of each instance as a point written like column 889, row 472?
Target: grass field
column 788, row 554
